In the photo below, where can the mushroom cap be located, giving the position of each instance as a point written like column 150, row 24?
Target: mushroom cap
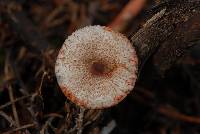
column 96, row 67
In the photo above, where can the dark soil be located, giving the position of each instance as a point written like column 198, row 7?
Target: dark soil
column 31, row 34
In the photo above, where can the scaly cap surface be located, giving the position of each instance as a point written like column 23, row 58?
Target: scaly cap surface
column 96, row 67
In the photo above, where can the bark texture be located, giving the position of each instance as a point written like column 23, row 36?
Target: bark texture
column 169, row 33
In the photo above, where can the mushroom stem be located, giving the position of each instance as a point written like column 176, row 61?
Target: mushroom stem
column 79, row 121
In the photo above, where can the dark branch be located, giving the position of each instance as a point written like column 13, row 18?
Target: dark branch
column 171, row 24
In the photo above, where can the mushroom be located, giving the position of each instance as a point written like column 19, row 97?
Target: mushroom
column 96, row 67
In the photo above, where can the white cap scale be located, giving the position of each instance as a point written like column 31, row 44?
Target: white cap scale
column 96, row 67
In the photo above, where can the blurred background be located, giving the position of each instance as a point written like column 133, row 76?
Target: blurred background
column 31, row 34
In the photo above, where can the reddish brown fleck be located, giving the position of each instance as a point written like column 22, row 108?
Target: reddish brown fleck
column 119, row 98
column 72, row 97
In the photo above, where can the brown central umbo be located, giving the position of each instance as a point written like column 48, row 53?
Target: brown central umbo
column 98, row 68
column 102, row 68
